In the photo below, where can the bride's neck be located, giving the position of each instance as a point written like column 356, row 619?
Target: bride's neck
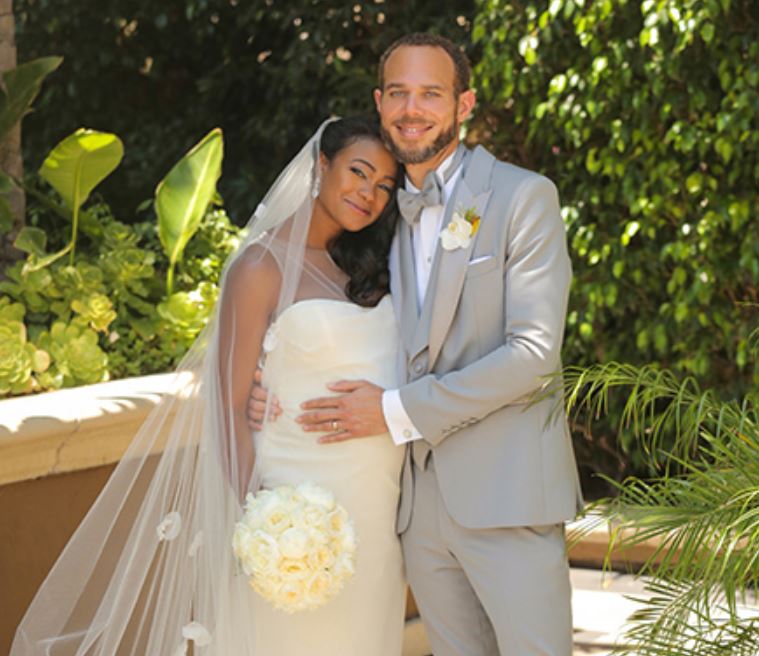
column 323, row 229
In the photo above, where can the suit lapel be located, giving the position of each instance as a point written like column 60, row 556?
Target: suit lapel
column 449, row 267
column 403, row 283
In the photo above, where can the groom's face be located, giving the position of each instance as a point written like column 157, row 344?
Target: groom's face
column 419, row 109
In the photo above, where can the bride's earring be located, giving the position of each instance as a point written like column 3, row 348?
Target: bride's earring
column 317, row 187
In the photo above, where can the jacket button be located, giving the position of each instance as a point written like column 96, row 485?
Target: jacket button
column 418, row 367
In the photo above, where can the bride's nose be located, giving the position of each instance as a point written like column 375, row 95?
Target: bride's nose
column 366, row 191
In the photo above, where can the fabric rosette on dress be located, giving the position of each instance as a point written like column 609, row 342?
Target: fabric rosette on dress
column 296, row 545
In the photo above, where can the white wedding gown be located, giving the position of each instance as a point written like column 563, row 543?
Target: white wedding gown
column 314, row 342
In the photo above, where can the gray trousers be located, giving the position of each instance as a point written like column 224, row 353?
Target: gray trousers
column 486, row 592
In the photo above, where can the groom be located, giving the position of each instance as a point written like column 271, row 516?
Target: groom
column 479, row 278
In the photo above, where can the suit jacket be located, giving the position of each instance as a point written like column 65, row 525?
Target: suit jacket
column 487, row 337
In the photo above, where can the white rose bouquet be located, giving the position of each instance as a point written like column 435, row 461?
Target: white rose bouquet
column 296, row 545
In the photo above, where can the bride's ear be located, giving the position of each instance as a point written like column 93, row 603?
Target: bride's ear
column 323, row 163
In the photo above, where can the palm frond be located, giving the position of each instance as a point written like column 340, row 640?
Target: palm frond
column 658, row 405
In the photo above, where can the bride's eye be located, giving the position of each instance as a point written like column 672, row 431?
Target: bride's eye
column 386, row 188
column 358, row 172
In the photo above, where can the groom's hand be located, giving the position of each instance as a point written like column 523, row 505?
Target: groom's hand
column 357, row 412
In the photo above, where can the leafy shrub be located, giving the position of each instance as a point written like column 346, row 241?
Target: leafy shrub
column 107, row 316
column 646, row 114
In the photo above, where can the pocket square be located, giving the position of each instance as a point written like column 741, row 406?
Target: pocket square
column 482, row 258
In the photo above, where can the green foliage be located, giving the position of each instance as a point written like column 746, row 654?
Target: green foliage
column 183, row 196
column 77, row 357
column 20, row 360
column 73, row 168
column 19, row 89
column 645, row 114
column 266, row 72
column 702, row 507
column 107, row 316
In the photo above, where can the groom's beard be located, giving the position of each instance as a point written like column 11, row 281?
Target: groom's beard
column 411, row 156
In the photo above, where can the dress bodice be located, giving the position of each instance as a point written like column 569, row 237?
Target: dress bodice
column 317, row 341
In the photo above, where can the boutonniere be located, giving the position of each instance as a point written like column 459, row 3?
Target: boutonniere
column 459, row 232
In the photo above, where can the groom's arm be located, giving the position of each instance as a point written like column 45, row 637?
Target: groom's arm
column 536, row 286
column 537, row 274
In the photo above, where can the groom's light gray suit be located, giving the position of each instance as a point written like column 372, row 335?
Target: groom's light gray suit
column 482, row 516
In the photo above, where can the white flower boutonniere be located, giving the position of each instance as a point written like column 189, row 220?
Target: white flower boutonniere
column 460, row 231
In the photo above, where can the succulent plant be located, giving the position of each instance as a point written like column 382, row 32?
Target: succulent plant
column 97, row 310
column 187, row 312
column 19, row 359
column 75, row 352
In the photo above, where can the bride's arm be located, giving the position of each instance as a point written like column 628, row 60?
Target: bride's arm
column 248, row 300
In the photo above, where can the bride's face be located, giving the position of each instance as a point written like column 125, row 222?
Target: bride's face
column 357, row 184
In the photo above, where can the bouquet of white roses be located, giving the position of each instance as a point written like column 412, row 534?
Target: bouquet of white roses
column 296, row 545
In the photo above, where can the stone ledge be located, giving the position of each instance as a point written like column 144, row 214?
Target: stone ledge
column 77, row 428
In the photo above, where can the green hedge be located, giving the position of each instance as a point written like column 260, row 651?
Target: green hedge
column 160, row 73
column 646, row 114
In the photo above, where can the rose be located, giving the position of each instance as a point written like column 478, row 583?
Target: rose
column 457, row 234
column 319, row 586
column 318, row 496
column 290, row 594
column 344, row 567
column 294, row 569
column 337, row 520
column 294, row 543
column 257, row 550
column 321, row 557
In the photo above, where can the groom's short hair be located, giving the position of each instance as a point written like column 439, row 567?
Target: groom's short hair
column 462, row 69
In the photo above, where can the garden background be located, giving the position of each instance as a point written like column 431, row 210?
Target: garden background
column 645, row 115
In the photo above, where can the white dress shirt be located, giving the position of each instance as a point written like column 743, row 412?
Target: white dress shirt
column 425, row 238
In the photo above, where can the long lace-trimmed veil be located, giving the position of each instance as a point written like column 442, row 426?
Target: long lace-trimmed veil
column 150, row 569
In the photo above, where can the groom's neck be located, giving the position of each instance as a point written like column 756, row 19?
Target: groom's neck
column 417, row 172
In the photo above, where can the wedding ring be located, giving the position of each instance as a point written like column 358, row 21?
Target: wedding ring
column 334, row 425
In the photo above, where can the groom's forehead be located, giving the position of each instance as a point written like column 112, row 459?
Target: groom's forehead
column 419, row 65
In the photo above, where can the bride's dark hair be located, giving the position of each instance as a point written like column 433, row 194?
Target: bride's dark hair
column 363, row 254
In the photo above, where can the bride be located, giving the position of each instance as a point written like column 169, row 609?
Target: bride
column 150, row 570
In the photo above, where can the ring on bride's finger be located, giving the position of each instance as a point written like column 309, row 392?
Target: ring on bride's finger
column 334, row 425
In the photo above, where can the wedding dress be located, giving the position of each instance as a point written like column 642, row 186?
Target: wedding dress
column 313, row 342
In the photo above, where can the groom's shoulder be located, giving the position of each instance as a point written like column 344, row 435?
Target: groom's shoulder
column 506, row 175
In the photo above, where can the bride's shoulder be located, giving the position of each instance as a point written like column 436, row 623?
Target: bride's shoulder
column 255, row 261
column 253, row 275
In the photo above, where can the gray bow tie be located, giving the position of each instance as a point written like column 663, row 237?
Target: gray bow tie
column 411, row 204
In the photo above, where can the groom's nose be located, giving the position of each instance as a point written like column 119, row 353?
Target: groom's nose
column 413, row 105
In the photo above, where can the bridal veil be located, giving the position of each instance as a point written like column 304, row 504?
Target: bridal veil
column 150, row 569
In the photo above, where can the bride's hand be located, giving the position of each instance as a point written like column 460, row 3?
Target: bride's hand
column 357, row 412
column 257, row 404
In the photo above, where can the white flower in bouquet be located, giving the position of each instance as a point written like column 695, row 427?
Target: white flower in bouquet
column 297, row 546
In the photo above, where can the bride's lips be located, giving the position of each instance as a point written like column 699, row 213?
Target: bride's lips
column 360, row 210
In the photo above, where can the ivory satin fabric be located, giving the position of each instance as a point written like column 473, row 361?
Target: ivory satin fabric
column 312, row 343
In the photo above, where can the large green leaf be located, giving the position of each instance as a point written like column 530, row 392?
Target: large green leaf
column 80, row 162
column 183, row 196
column 22, row 84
